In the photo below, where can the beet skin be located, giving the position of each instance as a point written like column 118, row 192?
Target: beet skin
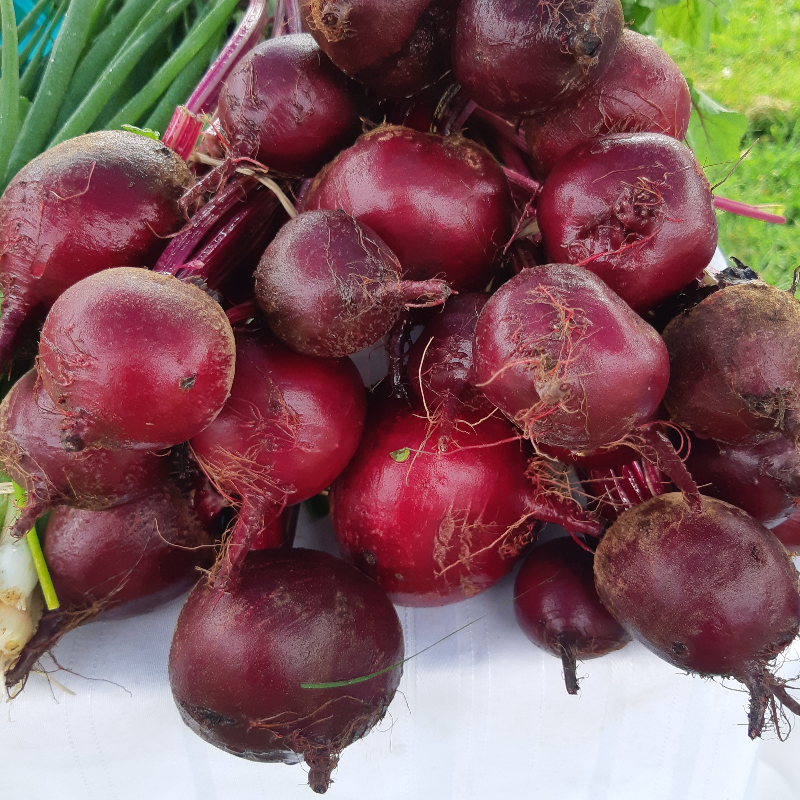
column 713, row 592
column 239, row 657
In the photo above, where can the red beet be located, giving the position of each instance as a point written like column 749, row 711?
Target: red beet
column 747, row 339
column 291, row 425
column 329, row 286
column 53, row 471
column 288, row 107
column 136, row 359
column 557, row 607
column 396, row 47
column 106, row 199
column 442, row 205
column 762, row 479
column 635, row 209
column 643, row 90
column 714, row 592
column 567, row 360
column 522, row 56
column 435, row 526
column 149, row 548
column 788, row 533
column 238, row 660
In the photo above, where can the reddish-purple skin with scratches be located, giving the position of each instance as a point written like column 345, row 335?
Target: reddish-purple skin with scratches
column 643, row 90
column 288, row 107
column 102, row 200
column 442, row 205
column 518, row 57
column 635, row 209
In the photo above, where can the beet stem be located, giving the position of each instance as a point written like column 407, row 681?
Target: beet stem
column 747, row 210
column 659, row 450
column 398, row 339
column 570, row 665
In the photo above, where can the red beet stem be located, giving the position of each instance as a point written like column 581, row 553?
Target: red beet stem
column 399, row 337
column 659, row 450
column 506, row 129
column 549, row 507
column 241, row 312
column 182, row 132
column 747, row 210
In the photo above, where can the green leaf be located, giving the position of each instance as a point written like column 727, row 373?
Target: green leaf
column 9, row 84
column 715, row 133
column 150, row 134
column 693, row 21
column 400, row 455
column 639, row 15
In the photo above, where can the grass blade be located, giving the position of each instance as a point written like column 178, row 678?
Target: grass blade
column 63, row 58
column 198, row 37
column 9, row 83
column 30, row 74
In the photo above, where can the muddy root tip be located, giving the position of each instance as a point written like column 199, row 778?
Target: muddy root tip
column 760, row 694
column 570, row 666
column 319, row 775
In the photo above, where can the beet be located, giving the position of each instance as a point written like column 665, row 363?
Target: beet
column 136, row 359
column 238, row 660
column 288, row 107
column 436, row 526
column 522, row 56
column 106, row 199
column 291, row 425
column 762, row 479
column 735, row 365
column 442, row 205
column 635, row 209
column 98, row 560
column 567, row 360
column 329, row 286
column 34, row 453
column 788, row 533
column 396, row 47
column 557, row 607
column 643, row 90
column 713, row 593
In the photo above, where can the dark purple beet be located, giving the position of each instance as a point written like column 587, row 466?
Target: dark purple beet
column 239, row 657
column 643, row 90
column 288, row 107
column 146, row 550
column 557, row 607
column 762, row 479
column 713, row 592
column 329, row 286
column 789, row 533
column 38, row 455
column 106, row 199
column 635, row 209
column 746, row 339
column 396, row 47
column 522, row 56
column 442, row 205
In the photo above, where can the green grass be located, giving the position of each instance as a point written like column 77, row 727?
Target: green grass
column 753, row 67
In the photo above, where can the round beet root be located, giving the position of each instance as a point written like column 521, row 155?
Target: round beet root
column 329, row 286
column 788, row 533
column 124, row 553
column 136, row 359
column 238, row 660
column 712, row 592
column 37, row 455
column 434, row 526
column 643, row 90
column 522, row 56
column 396, row 47
column 290, row 426
column 747, row 339
column 762, row 479
column 442, row 205
column 557, row 607
column 635, row 209
column 567, row 360
column 288, row 107
column 106, row 199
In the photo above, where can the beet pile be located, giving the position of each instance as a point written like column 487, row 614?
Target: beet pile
column 396, row 174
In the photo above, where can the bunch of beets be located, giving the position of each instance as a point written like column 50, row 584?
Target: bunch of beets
column 509, row 175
